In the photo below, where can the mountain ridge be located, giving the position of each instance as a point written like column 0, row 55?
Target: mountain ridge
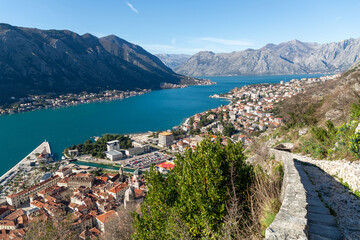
column 35, row 61
column 173, row 60
column 292, row 57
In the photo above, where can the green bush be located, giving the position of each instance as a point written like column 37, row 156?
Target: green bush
column 355, row 110
column 191, row 201
column 320, row 134
column 354, row 144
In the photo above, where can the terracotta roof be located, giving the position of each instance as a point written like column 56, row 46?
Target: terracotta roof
column 7, row 223
column 15, row 215
column 139, row 193
column 118, row 188
column 37, row 204
column 72, row 205
column 106, row 217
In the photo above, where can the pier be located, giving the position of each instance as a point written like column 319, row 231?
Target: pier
column 24, row 164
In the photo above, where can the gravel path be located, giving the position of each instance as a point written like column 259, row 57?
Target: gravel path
column 338, row 198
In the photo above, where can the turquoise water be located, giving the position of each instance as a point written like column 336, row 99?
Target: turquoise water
column 102, row 166
column 63, row 127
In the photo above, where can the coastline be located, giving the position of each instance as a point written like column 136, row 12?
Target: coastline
column 102, row 97
column 23, row 164
column 79, row 101
column 25, row 159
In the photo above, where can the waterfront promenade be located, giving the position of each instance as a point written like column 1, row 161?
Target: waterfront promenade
column 25, row 162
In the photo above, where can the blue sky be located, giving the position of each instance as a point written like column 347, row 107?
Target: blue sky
column 189, row 26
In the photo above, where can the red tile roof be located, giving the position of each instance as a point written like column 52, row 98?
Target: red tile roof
column 106, row 217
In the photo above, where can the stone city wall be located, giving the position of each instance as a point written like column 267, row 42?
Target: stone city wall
column 291, row 221
column 349, row 172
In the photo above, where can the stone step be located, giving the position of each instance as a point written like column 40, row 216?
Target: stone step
column 318, row 237
column 318, row 209
column 326, row 219
column 315, row 201
column 322, row 230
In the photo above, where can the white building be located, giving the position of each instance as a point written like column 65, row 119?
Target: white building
column 63, row 172
column 113, row 145
column 165, row 139
column 114, row 155
column 139, row 148
column 113, row 150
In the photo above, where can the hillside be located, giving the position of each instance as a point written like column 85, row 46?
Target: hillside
column 293, row 57
column 34, row 61
column 330, row 101
column 324, row 121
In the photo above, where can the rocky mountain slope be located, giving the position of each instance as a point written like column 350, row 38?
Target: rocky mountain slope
column 34, row 61
column 173, row 60
column 331, row 100
column 293, row 57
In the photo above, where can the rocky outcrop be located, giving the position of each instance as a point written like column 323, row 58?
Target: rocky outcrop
column 293, row 57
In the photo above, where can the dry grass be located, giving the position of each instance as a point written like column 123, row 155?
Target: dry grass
column 330, row 100
column 264, row 199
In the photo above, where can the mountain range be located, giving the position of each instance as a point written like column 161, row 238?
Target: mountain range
column 173, row 60
column 34, row 61
column 293, row 57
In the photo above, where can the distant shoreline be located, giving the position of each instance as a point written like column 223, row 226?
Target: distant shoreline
column 95, row 98
column 63, row 101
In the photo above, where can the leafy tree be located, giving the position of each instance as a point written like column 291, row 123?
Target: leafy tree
column 194, row 131
column 191, row 200
column 229, row 129
column 191, row 121
column 178, row 134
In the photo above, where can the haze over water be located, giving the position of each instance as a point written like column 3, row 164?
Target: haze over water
column 64, row 127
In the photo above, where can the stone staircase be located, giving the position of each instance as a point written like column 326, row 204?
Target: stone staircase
column 321, row 224
column 302, row 215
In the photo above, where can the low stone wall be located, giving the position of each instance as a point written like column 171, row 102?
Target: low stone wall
column 349, row 172
column 291, row 221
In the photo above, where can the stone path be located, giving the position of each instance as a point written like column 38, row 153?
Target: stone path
column 324, row 193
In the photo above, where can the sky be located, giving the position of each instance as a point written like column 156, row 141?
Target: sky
column 190, row 26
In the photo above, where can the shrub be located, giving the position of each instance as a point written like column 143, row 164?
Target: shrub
column 354, row 144
column 355, row 110
column 192, row 199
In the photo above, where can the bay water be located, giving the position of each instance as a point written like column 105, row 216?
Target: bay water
column 163, row 109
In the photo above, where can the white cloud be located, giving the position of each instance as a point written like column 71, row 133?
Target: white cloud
column 226, row 41
column 173, row 41
column 132, row 7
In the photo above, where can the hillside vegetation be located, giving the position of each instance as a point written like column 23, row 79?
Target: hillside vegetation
column 322, row 121
column 212, row 193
